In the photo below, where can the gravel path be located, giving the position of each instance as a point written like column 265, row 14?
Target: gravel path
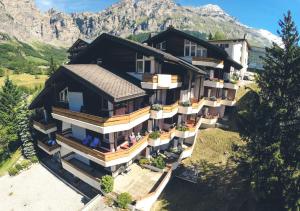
column 37, row 189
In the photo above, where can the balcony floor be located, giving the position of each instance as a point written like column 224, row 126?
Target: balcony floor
column 138, row 182
column 88, row 169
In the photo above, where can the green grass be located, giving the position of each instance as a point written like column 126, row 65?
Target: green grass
column 28, row 58
column 219, row 186
column 5, row 165
column 26, row 80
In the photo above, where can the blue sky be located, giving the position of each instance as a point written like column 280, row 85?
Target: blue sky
column 255, row 13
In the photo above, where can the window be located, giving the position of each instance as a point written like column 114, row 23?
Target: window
column 63, row 95
column 162, row 45
column 143, row 64
column 192, row 49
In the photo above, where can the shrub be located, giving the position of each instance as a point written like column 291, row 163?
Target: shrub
column 156, row 107
column 25, row 164
column 107, row 183
column 34, row 159
column 144, row 161
column 19, row 167
column 154, row 135
column 123, row 200
column 159, row 162
column 12, row 171
column 182, row 128
column 186, row 104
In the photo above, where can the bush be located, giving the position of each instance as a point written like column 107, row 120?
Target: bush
column 156, row 107
column 159, row 162
column 123, row 200
column 186, row 104
column 107, row 183
column 12, row 171
column 154, row 135
column 19, row 167
column 25, row 164
column 34, row 159
column 182, row 128
column 144, row 161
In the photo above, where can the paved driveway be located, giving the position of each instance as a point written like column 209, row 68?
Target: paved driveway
column 37, row 190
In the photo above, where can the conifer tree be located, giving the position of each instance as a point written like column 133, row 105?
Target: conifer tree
column 23, row 120
column 271, row 125
column 52, row 67
column 10, row 96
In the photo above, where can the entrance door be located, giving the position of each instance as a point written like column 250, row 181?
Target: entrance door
column 75, row 101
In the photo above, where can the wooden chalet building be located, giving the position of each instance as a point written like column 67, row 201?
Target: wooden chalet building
column 97, row 115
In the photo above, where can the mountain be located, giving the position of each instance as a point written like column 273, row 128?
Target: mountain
column 22, row 19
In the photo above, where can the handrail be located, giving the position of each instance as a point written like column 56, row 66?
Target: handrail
column 207, row 59
column 104, row 156
column 119, row 119
column 49, row 148
column 170, row 108
column 44, row 126
column 153, row 78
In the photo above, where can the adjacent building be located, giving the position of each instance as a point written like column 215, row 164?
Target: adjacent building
column 118, row 101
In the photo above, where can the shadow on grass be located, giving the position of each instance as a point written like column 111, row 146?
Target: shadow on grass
column 218, row 188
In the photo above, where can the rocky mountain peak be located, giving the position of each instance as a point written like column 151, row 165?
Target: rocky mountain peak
column 23, row 20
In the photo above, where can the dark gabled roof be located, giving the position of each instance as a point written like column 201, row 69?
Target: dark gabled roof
column 102, row 81
column 79, row 40
column 116, row 88
column 223, row 54
column 141, row 48
column 232, row 40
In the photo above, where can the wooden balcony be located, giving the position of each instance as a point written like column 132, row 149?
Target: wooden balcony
column 165, row 138
column 50, row 150
column 100, row 156
column 193, row 108
column 208, row 101
column 191, row 127
column 100, row 124
column 44, row 127
column 214, row 83
column 160, row 81
column 209, row 120
column 208, row 62
column 167, row 111
column 230, row 85
column 82, row 171
column 228, row 102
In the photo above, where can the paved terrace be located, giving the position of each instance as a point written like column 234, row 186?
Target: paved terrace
column 138, row 182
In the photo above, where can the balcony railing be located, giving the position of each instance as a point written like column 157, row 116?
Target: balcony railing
column 100, row 124
column 165, row 137
column 100, row 156
column 49, row 149
column 157, row 81
column 192, row 107
column 212, row 101
column 210, row 62
column 163, row 111
column 214, row 83
column 44, row 127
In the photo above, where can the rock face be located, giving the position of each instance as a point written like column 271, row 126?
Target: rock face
column 21, row 18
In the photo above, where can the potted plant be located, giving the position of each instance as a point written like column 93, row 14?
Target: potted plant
column 154, row 136
column 182, row 131
column 156, row 111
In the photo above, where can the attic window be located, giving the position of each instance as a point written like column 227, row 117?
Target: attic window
column 63, row 95
column 162, row 45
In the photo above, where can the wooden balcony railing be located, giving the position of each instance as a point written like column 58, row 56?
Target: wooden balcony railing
column 47, row 147
column 100, row 121
column 44, row 126
column 170, row 108
column 206, row 59
column 167, row 135
column 154, row 78
column 104, row 156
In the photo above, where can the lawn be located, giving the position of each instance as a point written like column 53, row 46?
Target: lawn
column 26, row 80
column 5, row 165
column 219, row 187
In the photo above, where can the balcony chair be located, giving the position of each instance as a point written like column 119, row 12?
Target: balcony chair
column 95, row 143
column 87, row 140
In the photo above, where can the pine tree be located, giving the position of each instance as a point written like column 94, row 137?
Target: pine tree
column 210, row 36
column 52, row 67
column 24, row 130
column 271, row 125
column 10, row 96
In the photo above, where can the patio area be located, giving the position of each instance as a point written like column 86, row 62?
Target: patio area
column 138, row 182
